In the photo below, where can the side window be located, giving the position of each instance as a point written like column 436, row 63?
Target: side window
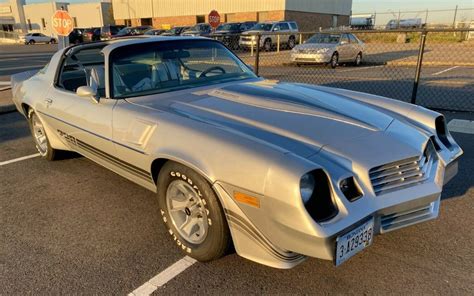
column 344, row 39
column 35, row 35
column 76, row 70
column 284, row 27
column 353, row 39
column 294, row 26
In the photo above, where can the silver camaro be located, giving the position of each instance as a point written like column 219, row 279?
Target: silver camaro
column 326, row 48
column 282, row 171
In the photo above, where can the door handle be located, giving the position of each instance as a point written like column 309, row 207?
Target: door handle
column 48, row 102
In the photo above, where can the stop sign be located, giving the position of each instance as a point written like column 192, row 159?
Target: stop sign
column 62, row 23
column 214, row 19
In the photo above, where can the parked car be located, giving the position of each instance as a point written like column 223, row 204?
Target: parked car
column 91, row 34
column 107, row 32
column 268, row 42
column 328, row 48
column 76, row 36
column 282, row 170
column 229, row 33
column 155, row 32
column 176, row 31
column 201, row 29
column 32, row 38
column 132, row 31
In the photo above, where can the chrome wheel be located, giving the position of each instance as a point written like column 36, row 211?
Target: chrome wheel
column 187, row 211
column 358, row 59
column 334, row 60
column 39, row 134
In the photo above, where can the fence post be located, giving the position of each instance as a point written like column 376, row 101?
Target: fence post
column 301, row 38
column 418, row 66
column 278, row 43
column 257, row 54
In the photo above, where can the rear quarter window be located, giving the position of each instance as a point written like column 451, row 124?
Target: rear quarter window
column 294, row 26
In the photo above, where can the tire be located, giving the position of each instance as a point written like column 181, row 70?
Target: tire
column 37, row 130
column 53, row 41
column 267, row 45
column 206, row 239
column 291, row 42
column 358, row 59
column 334, row 60
column 31, row 42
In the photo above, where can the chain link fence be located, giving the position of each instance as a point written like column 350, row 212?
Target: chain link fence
column 433, row 68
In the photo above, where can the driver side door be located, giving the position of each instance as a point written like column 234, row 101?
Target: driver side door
column 80, row 122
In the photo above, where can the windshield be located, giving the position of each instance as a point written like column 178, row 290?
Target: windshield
column 262, row 27
column 124, row 31
column 152, row 68
column 324, row 38
column 228, row 27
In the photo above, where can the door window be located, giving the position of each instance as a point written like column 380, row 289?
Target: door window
column 344, row 39
column 76, row 68
column 284, row 27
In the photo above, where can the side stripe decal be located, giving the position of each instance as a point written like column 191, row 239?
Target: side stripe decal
column 252, row 233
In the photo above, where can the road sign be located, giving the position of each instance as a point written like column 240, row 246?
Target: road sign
column 214, row 19
column 62, row 23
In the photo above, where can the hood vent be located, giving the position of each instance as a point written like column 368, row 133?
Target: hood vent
column 404, row 173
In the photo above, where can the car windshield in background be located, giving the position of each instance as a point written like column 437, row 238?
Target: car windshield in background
column 124, row 31
column 324, row 38
column 262, row 27
column 153, row 68
column 228, row 27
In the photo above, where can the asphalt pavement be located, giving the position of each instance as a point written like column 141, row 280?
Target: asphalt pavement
column 73, row 227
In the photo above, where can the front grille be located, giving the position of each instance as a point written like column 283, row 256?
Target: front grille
column 305, row 59
column 409, row 217
column 403, row 173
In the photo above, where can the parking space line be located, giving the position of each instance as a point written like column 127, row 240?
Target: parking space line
column 19, row 159
column 461, row 126
column 444, row 71
column 4, row 83
column 163, row 277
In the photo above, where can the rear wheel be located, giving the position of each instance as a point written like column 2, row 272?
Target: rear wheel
column 267, row 45
column 291, row 42
column 52, row 41
column 192, row 213
column 39, row 136
column 31, row 42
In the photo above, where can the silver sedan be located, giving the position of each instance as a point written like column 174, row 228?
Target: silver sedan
column 325, row 48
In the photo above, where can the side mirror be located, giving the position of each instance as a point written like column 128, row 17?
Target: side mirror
column 87, row 91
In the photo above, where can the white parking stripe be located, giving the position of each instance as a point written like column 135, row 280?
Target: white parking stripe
column 461, row 126
column 360, row 68
column 163, row 277
column 445, row 70
column 4, row 82
column 19, row 159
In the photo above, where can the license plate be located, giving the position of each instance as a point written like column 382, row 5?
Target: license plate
column 354, row 241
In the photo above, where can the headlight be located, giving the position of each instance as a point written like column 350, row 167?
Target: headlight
column 307, row 184
column 252, row 38
column 316, row 193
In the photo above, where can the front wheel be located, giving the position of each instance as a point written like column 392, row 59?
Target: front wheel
column 358, row 59
column 291, row 42
column 267, row 45
column 39, row 136
column 52, row 41
column 192, row 213
column 334, row 60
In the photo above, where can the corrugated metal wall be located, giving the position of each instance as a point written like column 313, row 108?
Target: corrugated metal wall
column 125, row 9
column 341, row 7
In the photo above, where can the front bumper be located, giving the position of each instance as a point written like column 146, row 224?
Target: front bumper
column 317, row 58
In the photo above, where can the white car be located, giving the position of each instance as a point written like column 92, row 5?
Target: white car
column 32, row 38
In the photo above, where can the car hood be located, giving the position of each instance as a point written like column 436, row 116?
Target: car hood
column 295, row 117
column 315, row 46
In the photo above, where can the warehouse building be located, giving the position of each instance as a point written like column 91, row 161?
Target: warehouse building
column 17, row 16
column 309, row 14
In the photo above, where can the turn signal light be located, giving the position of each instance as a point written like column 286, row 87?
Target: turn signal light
column 247, row 199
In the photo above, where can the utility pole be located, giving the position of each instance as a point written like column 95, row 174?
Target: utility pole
column 398, row 22
column 426, row 18
column 455, row 15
